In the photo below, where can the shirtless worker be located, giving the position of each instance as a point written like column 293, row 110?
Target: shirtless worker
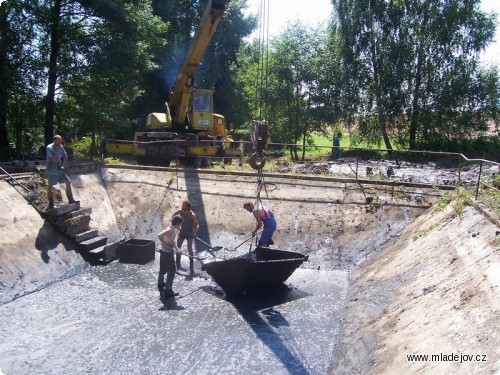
column 264, row 217
column 188, row 232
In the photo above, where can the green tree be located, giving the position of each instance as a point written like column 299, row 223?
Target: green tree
column 294, row 98
column 416, row 67
column 21, row 75
column 104, row 91
column 296, row 86
column 93, row 55
column 5, row 78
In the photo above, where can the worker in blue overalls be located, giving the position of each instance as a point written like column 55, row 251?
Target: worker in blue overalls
column 264, row 217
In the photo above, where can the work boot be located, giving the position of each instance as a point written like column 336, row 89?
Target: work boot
column 69, row 194
column 178, row 261
column 170, row 293
column 51, row 200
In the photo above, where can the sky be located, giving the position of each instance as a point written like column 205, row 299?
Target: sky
column 313, row 12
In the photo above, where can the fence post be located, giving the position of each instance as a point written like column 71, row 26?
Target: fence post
column 357, row 162
column 479, row 178
column 459, row 168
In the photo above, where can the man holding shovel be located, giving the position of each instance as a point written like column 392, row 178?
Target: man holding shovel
column 188, row 232
column 264, row 217
column 167, row 262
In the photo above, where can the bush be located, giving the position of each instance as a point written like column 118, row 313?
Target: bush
column 83, row 149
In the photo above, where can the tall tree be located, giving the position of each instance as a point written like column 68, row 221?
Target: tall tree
column 410, row 56
column 95, row 56
column 5, row 77
column 293, row 85
column 21, row 76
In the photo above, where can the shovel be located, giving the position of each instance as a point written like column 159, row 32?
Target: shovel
column 186, row 255
column 249, row 238
column 217, row 248
column 214, row 248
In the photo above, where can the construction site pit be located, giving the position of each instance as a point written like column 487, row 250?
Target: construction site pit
column 393, row 279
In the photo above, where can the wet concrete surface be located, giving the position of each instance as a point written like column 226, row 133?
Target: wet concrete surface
column 110, row 320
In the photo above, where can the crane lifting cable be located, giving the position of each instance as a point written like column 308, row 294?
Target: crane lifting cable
column 263, row 55
column 260, row 128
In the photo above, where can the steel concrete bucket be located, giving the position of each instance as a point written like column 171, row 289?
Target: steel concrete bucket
column 260, row 269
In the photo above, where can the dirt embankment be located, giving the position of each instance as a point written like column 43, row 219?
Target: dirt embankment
column 432, row 292
column 428, row 281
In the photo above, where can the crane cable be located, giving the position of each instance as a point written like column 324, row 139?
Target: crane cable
column 263, row 56
column 260, row 131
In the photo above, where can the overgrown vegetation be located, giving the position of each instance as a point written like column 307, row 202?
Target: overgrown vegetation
column 490, row 194
column 460, row 199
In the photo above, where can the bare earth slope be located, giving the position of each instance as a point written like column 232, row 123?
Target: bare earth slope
column 434, row 291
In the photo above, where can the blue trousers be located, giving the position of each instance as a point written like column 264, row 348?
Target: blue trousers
column 268, row 231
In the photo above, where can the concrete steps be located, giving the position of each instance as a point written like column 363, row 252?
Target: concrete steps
column 74, row 221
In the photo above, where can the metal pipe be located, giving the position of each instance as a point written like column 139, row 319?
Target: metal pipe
column 12, row 177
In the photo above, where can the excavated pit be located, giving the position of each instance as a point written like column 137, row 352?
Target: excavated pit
column 335, row 314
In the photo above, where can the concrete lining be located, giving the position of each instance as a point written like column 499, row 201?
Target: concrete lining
column 382, row 281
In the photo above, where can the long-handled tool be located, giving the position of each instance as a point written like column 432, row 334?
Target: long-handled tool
column 31, row 195
column 217, row 248
column 214, row 248
column 249, row 238
column 187, row 255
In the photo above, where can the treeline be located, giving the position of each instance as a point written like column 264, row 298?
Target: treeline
column 403, row 74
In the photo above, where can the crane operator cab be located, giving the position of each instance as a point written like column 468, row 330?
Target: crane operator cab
column 202, row 114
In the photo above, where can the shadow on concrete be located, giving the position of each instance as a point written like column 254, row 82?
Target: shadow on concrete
column 249, row 306
column 46, row 240
column 170, row 304
column 264, row 328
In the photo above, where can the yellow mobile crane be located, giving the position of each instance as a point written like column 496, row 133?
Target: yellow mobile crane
column 188, row 129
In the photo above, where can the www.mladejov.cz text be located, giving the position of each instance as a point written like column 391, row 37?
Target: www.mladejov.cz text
column 446, row 357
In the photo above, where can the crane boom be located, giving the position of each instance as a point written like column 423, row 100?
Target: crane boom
column 180, row 94
column 188, row 129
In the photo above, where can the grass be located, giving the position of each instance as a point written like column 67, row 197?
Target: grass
column 323, row 146
column 460, row 199
column 490, row 195
column 424, row 232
